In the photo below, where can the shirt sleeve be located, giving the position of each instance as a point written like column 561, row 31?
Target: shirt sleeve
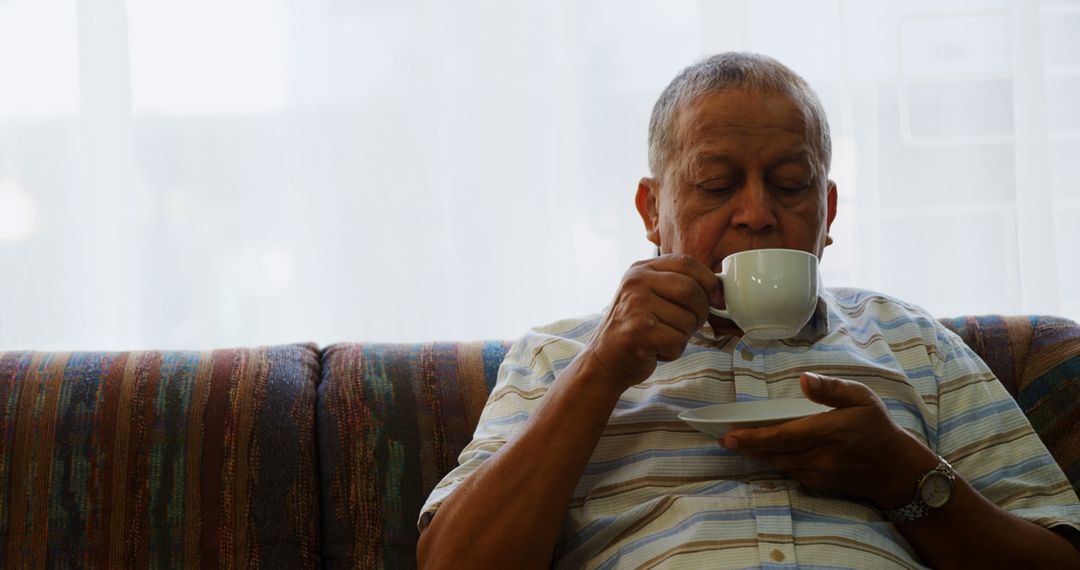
column 524, row 376
column 987, row 438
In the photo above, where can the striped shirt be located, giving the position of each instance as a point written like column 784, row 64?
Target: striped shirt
column 657, row 493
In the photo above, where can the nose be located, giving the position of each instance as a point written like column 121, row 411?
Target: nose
column 753, row 209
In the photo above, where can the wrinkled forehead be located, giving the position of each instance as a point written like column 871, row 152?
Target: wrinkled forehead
column 739, row 112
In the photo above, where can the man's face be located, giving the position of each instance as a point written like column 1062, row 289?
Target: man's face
column 742, row 175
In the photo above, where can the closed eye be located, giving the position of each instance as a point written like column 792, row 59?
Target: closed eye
column 717, row 186
column 791, row 186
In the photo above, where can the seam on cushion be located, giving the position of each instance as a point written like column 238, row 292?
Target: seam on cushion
column 1021, row 371
column 313, row 358
column 312, row 349
column 975, row 326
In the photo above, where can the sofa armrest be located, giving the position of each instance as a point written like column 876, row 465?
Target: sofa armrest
column 1037, row 358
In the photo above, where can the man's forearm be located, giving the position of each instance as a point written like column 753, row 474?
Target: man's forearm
column 972, row 532
column 509, row 512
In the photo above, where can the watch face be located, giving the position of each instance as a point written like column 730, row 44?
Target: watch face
column 936, row 489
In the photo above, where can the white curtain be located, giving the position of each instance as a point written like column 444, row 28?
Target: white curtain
column 216, row 173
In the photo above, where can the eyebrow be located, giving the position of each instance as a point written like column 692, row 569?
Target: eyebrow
column 713, row 159
column 797, row 156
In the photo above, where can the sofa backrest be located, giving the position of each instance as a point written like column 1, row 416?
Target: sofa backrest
column 282, row 457
column 163, row 459
column 393, row 418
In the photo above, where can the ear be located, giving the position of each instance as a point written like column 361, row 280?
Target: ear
column 831, row 215
column 648, row 194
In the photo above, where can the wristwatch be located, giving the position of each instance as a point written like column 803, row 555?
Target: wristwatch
column 933, row 490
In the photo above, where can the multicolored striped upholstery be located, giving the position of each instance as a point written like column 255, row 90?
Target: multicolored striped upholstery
column 159, row 459
column 392, row 420
column 1038, row 360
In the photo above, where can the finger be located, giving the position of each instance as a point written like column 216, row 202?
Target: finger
column 681, row 291
column 655, row 281
column 678, row 318
column 792, row 462
column 666, row 341
column 686, row 265
column 654, row 324
column 835, row 392
column 795, row 435
column 655, row 294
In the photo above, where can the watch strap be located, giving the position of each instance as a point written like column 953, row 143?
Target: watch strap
column 918, row 508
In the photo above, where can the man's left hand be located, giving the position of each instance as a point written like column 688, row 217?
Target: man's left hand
column 854, row 450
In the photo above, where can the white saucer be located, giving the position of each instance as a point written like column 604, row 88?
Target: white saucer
column 719, row 419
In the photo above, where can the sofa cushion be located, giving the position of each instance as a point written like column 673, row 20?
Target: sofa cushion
column 166, row 459
column 392, row 419
column 1038, row 360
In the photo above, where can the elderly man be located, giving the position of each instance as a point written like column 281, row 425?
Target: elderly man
column 579, row 459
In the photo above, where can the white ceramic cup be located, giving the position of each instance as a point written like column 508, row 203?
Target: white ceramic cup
column 769, row 293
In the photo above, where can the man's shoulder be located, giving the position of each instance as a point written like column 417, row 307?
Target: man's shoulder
column 576, row 328
column 853, row 300
column 864, row 315
column 566, row 337
column 861, row 308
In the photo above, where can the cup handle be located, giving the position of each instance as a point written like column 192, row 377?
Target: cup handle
column 721, row 312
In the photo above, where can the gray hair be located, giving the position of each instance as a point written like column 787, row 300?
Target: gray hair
column 730, row 71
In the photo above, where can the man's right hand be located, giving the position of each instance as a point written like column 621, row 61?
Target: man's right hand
column 660, row 303
column 509, row 511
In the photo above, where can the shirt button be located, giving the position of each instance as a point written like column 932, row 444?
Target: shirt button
column 747, row 354
column 776, row 555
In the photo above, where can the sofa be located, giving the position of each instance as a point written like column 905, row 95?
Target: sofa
column 296, row 457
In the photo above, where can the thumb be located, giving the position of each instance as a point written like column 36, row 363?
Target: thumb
column 833, row 392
